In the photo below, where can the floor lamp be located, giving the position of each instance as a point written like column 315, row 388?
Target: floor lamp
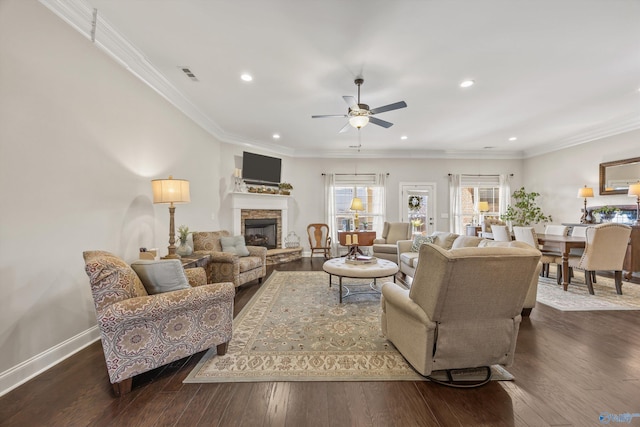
column 585, row 192
column 171, row 191
column 634, row 190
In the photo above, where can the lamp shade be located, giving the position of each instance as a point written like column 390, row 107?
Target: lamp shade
column 634, row 190
column 358, row 121
column 356, row 204
column 585, row 192
column 170, row 190
column 483, row 206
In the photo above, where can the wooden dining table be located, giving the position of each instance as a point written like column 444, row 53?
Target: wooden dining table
column 564, row 244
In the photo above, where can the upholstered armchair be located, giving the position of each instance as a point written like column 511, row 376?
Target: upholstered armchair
column 229, row 267
column 463, row 309
column 386, row 246
column 487, row 225
column 141, row 332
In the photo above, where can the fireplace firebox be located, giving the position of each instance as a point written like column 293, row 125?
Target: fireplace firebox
column 261, row 232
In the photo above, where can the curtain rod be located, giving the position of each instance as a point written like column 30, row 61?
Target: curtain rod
column 356, row 174
column 467, row 174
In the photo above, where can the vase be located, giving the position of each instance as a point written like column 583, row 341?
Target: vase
column 184, row 249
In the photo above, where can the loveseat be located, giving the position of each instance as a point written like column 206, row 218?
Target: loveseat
column 409, row 258
column 226, row 266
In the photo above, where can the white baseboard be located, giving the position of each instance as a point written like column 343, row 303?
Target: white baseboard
column 39, row 363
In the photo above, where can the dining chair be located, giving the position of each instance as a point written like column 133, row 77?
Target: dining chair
column 556, row 230
column 605, row 249
column 528, row 235
column 501, row 233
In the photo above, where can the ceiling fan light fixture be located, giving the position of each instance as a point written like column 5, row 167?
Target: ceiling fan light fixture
column 358, row 121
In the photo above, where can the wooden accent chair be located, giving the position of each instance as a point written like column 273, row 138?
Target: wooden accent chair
column 319, row 239
column 141, row 332
column 463, row 308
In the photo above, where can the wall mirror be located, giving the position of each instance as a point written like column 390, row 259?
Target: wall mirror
column 615, row 177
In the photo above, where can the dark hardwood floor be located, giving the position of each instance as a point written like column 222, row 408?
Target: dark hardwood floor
column 569, row 368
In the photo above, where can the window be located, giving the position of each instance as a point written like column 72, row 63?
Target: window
column 370, row 190
column 478, row 196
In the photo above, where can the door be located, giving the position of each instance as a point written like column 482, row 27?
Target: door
column 417, row 206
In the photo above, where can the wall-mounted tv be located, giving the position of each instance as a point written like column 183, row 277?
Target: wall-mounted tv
column 259, row 169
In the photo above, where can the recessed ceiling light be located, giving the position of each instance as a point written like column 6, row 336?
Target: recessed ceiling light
column 467, row 83
column 513, row 138
column 404, row 137
column 246, row 77
column 276, row 136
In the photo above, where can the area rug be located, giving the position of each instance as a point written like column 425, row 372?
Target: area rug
column 294, row 329
column 577, row 297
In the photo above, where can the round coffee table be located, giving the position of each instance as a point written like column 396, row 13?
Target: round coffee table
column 338, row 267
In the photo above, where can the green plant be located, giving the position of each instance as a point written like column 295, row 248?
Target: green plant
column 606, row 210
column 525, row 211
column 183, row 232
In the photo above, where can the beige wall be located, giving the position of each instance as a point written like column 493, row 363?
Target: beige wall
column 80, row 140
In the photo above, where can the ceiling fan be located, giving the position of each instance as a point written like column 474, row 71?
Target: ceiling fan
column 360, row 114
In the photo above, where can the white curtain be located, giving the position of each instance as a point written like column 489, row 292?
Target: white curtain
column 330, row 211
column 381, row 206
column 455, row 204
column 505, row 193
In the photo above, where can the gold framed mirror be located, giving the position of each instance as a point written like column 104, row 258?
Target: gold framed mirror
column 615, row 177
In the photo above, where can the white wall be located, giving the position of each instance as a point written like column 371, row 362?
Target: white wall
column 559, row 175
column 80, row 140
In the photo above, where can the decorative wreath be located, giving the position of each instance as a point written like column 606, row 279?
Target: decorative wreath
column 414, row 203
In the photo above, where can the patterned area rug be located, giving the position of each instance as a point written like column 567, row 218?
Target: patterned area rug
column 577, row 297
column 294, row 329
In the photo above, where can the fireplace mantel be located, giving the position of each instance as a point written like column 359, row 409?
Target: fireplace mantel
column 240, row 201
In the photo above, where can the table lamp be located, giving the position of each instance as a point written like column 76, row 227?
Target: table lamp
column 634, row 190
column 585, row 192
column 171, row 191
column 356, row 205
column 483, row 207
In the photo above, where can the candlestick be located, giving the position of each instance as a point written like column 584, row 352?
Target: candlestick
column 355, row 239
column 348, row 240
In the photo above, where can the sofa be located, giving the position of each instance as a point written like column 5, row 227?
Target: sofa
column 386, row 246
column 141, row 330
column 446, row 240
column 227, row 266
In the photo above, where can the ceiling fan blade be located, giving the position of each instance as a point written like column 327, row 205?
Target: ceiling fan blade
column 351, row 102
column 329, row 115
column 345, row 128
column 379, row 122
column 389, row 107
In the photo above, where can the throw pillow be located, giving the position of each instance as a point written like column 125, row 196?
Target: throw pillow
column 421, row 240
column 160, row 276
column 234, row 245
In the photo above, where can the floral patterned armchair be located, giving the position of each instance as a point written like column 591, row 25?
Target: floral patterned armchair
column 141, row 332
column 228, row 267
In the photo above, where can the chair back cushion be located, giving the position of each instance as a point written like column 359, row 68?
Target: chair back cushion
column 208, row 240
column 526, row 235
column 606, row 247
column 500, row 233
column 556, row 230
column 444, row 239
column 159, row 276
column 111, row 279
column 396, row 231
column 473, row 284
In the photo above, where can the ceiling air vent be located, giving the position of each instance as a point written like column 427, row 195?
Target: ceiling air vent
column 189, row 73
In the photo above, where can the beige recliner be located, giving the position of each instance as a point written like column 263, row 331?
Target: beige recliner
column 386, row 247
column 463, row 309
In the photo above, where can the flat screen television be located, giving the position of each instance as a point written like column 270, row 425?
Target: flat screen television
column 259, row 169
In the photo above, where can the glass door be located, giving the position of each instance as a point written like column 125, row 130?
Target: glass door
column 418, row 206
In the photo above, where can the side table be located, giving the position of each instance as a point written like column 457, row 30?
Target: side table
column 195, row 260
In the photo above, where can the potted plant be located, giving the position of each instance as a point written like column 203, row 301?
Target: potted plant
column 184, row 249
column 606, row 213
column 525, row 211
column 285, row 188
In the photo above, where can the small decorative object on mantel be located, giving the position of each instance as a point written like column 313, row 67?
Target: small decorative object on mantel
column 184, row 249
column 285, row 188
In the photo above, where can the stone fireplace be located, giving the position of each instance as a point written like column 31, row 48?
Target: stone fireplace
column 260, row 207
column 262, row 228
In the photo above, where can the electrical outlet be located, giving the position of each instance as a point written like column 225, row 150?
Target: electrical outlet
column 444, row 215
